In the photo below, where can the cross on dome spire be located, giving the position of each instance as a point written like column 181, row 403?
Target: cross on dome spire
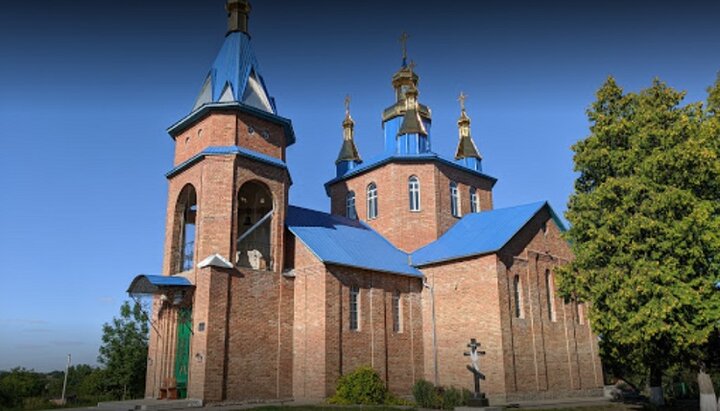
column 403, row 41
column 348, row 151
column 466, row 146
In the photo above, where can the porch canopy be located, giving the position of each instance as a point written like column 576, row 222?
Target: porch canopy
column 145, row 284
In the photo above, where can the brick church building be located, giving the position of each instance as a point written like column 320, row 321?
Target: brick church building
column 263, row 300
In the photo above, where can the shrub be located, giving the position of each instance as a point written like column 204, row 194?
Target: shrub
column 425, row 394
column 451, row 398
column 362, row 386
column 429, row 396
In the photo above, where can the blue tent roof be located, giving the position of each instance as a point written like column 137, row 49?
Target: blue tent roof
column 339, row 240
column 480, row 233
column 233, row 66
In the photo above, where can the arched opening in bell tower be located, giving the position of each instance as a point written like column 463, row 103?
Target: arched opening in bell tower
column 254, row 226
column 185, row 219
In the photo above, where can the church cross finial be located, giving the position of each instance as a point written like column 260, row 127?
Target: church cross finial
column 403, row 42
column 347, row 104
column 462, row 99
column 412, row 66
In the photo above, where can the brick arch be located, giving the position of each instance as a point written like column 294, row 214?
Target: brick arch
column 256, row 207
column 184, row 230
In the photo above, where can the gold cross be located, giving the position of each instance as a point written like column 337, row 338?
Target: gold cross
column 461, row 99
column 347, row 104
column 403, row 41
column 412, row 66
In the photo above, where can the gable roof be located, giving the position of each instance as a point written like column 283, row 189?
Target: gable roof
column 480, row 233
column 339, row 240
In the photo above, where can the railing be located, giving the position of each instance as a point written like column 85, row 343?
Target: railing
column 188, row 255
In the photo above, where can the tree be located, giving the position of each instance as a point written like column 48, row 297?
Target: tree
column 124, row 352
column 19, row 384
column 645, row 226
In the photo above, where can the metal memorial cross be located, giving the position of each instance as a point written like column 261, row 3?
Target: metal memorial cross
column 474, row 368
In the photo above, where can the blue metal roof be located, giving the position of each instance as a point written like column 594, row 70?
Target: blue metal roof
column 480, row 233
column 226, row 150
column 149, row 284
column 343, row 241
column 233, row 65
column 379, row 161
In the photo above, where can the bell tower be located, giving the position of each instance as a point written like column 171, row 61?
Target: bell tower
column 227, row 202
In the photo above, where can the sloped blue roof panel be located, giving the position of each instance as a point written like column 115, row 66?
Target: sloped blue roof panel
column 233, row 65
column 478, row 233
column 343, row 241
column 151, row 284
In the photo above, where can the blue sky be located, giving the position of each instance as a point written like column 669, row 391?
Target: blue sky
column 87, row 93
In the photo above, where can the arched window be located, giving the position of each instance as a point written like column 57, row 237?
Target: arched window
column 454, row 199
column 518, row 297
column 372, row 201
column 350, row 211
column 580, row 313
column 254, row 241
column 185, row 218
column 414, row 192
column 549, row 284
column 474, row 200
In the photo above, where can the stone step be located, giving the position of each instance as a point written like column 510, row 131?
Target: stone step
column 149, row 405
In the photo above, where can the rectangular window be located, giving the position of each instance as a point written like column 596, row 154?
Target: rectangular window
column 397, row 312
column 474, row 201
column 354, row 308
column 454, row 200
column 581, row 313
column 517, row 291
column 549, row 285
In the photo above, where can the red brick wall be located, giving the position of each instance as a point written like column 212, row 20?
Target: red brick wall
column 528, row 357
column 466, row 304
column 396, row 356
column 228, row 128
column 245, row 351
column 324, row 346
column 550, row 357
column 410, row 230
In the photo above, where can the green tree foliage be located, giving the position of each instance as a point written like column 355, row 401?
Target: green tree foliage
column 645, row 230
column 124, row 352
column 19, row 384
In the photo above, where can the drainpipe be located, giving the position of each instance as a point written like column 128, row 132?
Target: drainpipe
column 434, row 331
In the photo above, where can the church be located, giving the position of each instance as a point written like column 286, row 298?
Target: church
column 262, row 300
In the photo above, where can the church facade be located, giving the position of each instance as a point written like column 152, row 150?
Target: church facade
column 262, row 300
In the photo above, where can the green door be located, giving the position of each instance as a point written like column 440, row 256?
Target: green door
column 182, row 353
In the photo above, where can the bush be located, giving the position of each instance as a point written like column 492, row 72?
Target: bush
column 429, row 396
column 362, row 386
column 425, row 394
column 451, row 398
